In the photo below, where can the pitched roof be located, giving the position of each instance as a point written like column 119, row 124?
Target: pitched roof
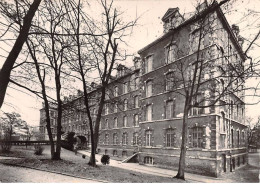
column 213, row 7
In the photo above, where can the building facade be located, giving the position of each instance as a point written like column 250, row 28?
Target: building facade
column 143, row 114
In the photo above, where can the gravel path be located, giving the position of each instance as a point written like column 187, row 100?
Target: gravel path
column 9, row 174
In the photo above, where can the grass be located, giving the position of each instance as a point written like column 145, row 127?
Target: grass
column 75, row 165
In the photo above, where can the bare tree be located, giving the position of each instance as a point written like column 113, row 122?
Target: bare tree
column 98, row 53
column 7, row 12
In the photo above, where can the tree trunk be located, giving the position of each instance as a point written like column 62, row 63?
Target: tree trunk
column 181, row 170
column 10, row 60
column 92, row 159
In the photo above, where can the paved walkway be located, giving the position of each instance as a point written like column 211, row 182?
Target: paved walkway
column 10, row 174
column 156, row 171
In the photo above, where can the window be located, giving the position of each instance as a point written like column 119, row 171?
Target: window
column 125, row 88
column 195, row 110
column 124, row 153
column 116, row 107
column 114, row 152
column 148, row 113
column 197, row 133
column 124, row 138
column 148, row 138
column 125, row 121
column 170, row 53
column 136, row 83
column 148, row 64
column 170, row 139
column 148, row 160
column 106, row 109
column 52, row 121
column 136, row 120
column 100, row 125
column 116, row 91
column 243, row 137
column 115, row 122
column 170, row 109
column 107, row 123
column 106, row 139
column 135, row 138
column 125, row 104
column 115, row 139
column 149, row 88
column 52, row 114
column 136, row 101
column 170, row 81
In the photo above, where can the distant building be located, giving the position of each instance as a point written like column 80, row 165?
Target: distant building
column 53, row 119
column 144, row 115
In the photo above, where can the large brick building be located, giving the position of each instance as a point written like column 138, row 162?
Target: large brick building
column 143, row 114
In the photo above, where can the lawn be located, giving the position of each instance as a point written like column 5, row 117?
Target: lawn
column 75, row 165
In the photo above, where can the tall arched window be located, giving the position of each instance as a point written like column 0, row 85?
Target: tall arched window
column 136, row 120
column 125, row 121
column 148, row 64
column 170, row 109
column 124, row 138
column 170, row 81
column 135, row 138
column 170, row 53
column 115, row 122
column 106, row 139
column 148, row 138
column 149, row 88
column 148, row 113
column 116, row 91
column 125, row 104
column 115, row 139
column 136, row 101
column 197, row 134
column 170, row 137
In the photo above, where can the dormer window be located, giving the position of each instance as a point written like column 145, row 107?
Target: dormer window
column 172, row 19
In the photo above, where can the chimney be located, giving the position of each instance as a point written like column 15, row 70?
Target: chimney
column 202, row 6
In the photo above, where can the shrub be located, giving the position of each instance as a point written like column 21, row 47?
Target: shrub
column 38, row 149
column 6, row 147
column 105, row 159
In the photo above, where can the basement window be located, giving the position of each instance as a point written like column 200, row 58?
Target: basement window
column 148, row 160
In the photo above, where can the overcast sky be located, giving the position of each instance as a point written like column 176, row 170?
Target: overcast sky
column 149, row 28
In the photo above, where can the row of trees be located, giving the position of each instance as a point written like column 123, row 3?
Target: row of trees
column 64, row 44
